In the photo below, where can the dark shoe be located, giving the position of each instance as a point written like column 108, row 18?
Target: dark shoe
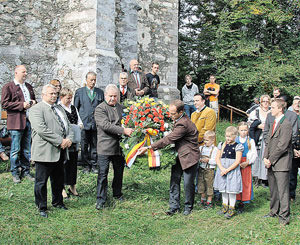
column 43, row 214
column 29, row 177
column 224, row 209
column 187, row 212
column 202, row 204
column 230, row 213
column 16, row 179
column 60, row 207
column 171, row 212
column 240, row 207
column 100, row 206
column 270, row 215
column 119, row 198
column 94, row 170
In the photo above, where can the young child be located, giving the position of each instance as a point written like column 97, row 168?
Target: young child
column 228, row 178
column 248, row 157
column 206, row 170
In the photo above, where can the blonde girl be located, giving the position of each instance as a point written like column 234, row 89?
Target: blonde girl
column 228, row 178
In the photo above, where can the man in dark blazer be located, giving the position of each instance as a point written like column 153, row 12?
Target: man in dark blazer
column 277, row 159
column 17, row 98
column 125, row 92
column 108, row 116
column 185, row 137
column 86, row 99
column 137, row 81
column 51, row 137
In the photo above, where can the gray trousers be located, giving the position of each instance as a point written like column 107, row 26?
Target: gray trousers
column 189, row 186
column 280, row 198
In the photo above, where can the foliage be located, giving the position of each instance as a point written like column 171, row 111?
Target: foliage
column 147, row 115
column 251, row 46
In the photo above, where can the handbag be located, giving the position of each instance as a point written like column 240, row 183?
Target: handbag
column 77, row 133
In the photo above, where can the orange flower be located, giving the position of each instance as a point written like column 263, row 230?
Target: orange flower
column 155, row 113
column 156, row 119
column 143, row 119
column 161, row 116
column 147, row 111
column 136, row 123
column 150, row 115
column 148, row 105
column 162, row 129
column 141, row 125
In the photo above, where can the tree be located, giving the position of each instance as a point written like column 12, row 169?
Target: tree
column 250, row 45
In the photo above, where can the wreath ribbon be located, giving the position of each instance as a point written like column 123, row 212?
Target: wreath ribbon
column 153, row 156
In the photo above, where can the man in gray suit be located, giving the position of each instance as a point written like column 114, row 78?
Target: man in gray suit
column 51, row 138
column 277, row 159
column 86, row 99
column 108, row 116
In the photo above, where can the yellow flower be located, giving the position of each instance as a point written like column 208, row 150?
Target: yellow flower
column 137, row 104
column 151, row 99
column 153, row 103
column 122, row 121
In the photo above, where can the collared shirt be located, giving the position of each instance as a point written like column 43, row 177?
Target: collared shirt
column 277, row 120
column 179, row 117
column 125, row 89
column 60, row 114
column 25, row 92
column 91, row 93
column 137, row 78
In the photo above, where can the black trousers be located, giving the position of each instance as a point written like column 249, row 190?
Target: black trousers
column 118, row 163
column 293, row 177
column 89, row 147
column 44, row 170
column 70, row 169
column 189, row 186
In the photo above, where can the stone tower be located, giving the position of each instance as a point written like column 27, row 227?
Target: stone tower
column 65, row 39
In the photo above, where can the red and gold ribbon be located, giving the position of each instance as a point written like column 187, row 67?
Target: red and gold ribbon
column 153, row 156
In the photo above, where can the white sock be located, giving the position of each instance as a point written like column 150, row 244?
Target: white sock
column 225, row 198
column 232, row 200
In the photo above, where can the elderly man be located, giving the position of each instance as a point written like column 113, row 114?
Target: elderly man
column 277, row 159
column 125, row 92
column 51, row 137
column 184, row 135
column 137, row 80
column 17, row 98
column 86, row 99
column 108, row 116
column 204, row 117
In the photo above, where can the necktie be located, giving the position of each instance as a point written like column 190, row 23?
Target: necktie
column 273, row 128
column 60, row 121
column 137, row 79
column 123, row 91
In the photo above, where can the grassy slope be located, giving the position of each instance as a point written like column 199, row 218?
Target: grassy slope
column 140, row 219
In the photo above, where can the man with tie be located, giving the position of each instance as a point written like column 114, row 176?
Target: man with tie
column 17, row 98
column 277, row 159
column 86, row 99
column 125, row 92
column 51, row 138
column 137, row 80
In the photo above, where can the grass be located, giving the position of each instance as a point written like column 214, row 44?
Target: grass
column 140, row 219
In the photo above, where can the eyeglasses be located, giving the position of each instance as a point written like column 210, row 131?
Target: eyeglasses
column 265, row 101
column 123, row 78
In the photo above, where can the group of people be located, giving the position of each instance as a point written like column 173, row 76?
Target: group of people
column 56, row 127
column 48, row 132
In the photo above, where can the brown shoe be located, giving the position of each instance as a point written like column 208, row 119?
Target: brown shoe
column 3, row 156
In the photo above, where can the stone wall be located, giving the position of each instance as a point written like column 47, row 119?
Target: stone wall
column 65, row 39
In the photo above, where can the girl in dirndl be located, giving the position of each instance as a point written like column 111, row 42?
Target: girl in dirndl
column 248, row 158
